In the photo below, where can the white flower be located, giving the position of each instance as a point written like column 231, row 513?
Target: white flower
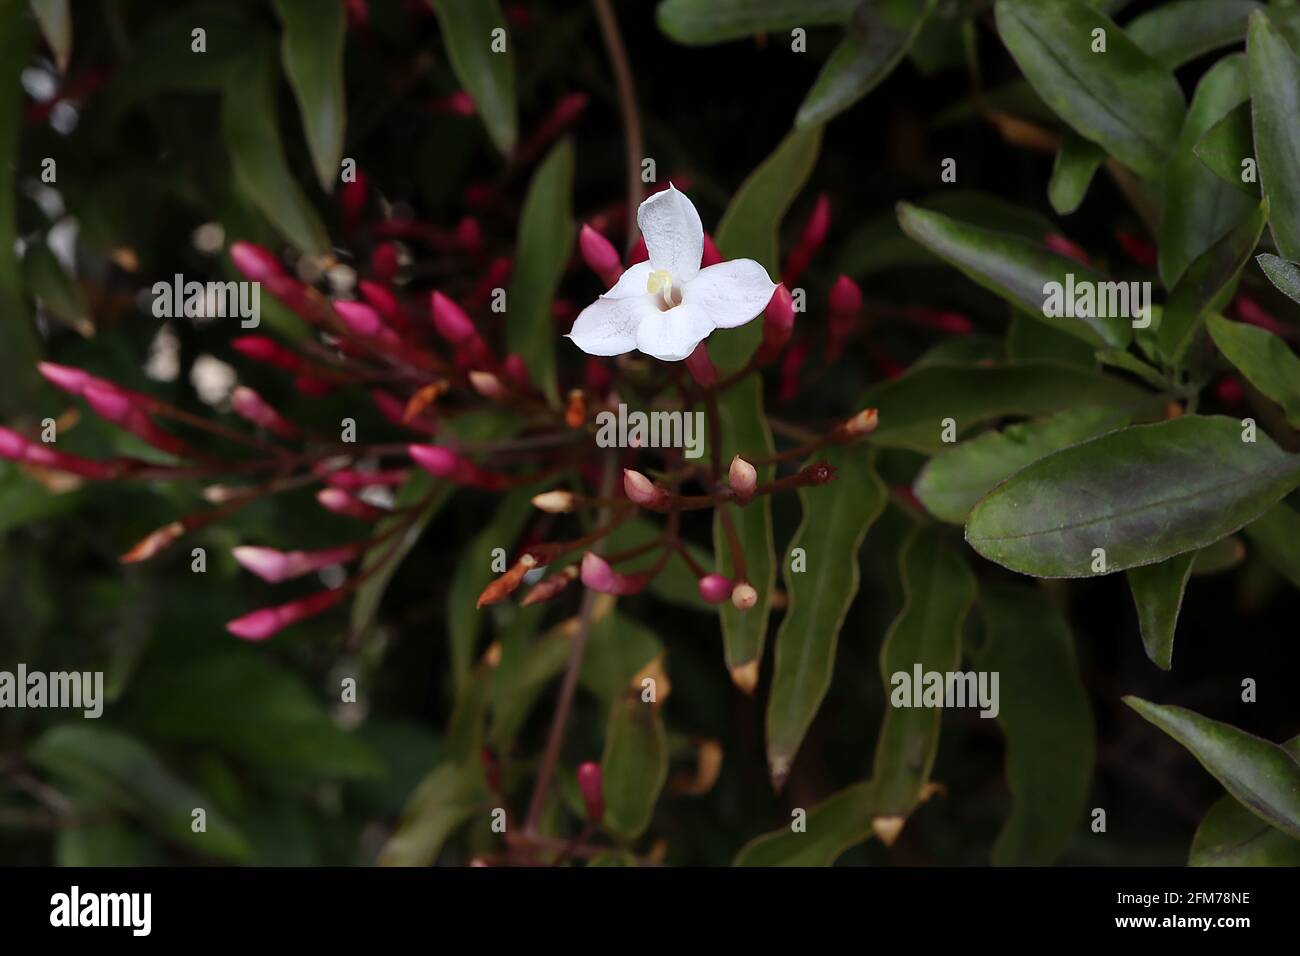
column 665, row 307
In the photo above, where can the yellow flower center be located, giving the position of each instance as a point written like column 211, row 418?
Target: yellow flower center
column 660, row 283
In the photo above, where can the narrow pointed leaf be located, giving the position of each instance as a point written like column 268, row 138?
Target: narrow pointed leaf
column 1124, row 100
column 1263, row 776
column 1276, row 535
column 716, row 21
column 939, row 590
column 1206, row 283
column 1077, row 161
column 1264, row 358
column 839, row 822
column 951, row 483
column 1283, row 274
column 545, row 240
column 312, row 51
column 1016, row 269
column 441, row 804
column 835, row 521
column 634, row 765
column 1175, row 33
column 1275, row 103
column 1158, row 593
column 1230, row 835
column 875, row 41
column 470, row 29
column 1141, row 494
column 913, row 407
column 1047, row 720
column 1199, row 207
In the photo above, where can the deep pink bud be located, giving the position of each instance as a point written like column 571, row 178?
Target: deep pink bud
column 469, row 236
column 599, row 576
column 451, row 321
column 259, row 625
column 714, row 588
column 591, row 786
column 259, row 348
column 382, row 301
column 600, row 255
column 1250, row 311
column 352, row 198
column 743, row 478
column 459, row 103
column 13, row 446
column 71, row 380
column 360, row 318
column 1137, row 248
column 254, row 262
column 778, row 324
column 341, row 503
column 385, row 261
column 354, row 480
column 639, row 252
column 846, row 297
column 313, row 387
column 818, row 224
column 791, row 366
column 275, row 566
column 516, row 369
column 642, row 490
column 701, row 367
column 1065, row 247
column 437, row 460
column 247, row 404
column 119, row 407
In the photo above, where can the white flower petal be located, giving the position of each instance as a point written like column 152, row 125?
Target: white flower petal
column 674, row 235
column 609, row 326
column 671, row 336
column 730, row 293
column 631, row 283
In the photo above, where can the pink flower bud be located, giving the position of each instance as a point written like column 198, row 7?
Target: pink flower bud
column 701, row 367
column 712, row 256
column 714, row 588
column 359, row 317
column 382, row 300
column 846, row 297
column 1137, row 248
column 555, row 502
column 451, row 321
column 313, row 387
column 254, row 262
column 442, row 462
column 591, row 786
column 354, row 480
column 276, row 566
column 639, row 252
column 1065, row 247
column 259, row 348
column 13, row 446
column 818, row 224
column 352, row 199
column 743, row 596
column 385, row 261
column 599, row 576
column 459, row 103
column 259, row 625
column 516, row 369
column 642, row 490
column 778, row 323
column 247, row 404
column 743, row 478
column 71, row 380
column 340, row 502
column 469, row 236
column 600, row 255
column 487, row 384
column 119, row 407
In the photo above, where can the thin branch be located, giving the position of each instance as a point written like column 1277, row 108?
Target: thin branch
column 627, row 108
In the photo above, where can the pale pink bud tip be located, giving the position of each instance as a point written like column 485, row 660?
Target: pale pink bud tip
column 555, row 502
column 846, row 297
column 435, row 459
column 13, row 446
column 743, row 596
column 597, row 574
column 255, row 262
column 642, row 490
column 66, row 377
column 359, row 317
column 743, row 477
column 862, row 423
column 591, row 786
column 714, row 588
column 486, row 384
column 341, row 503
column 275, row 566
column 599, row 254
column 257, row 626
column 451, row 321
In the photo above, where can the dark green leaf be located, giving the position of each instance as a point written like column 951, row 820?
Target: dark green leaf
column 252, row 135
column 938, row 590
column 107, row 844
column 716, row 21
column 542, row 251
column 1276, row 534
column 1176, row 33
column 1077, row 161
column 1206, row 283
column 876, row 39
column 1199, row 207
column 312, row 51
column 1123, row 99
column 1230, row 835
column 1263, row 776
column 1275, row 99
column 1283, row 274
column 634, row 765
column 443, row 801
column 1158, row 593
column 469, row 33
column 1045, row 714
column 1226, row 146
column 1016, row 269
column 951, row 483
column 126, row 775
column 835, row 520
column 1141, row 494
column 59, row 293
column 837, row 823
column 1264, row 358
column 912, row 407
